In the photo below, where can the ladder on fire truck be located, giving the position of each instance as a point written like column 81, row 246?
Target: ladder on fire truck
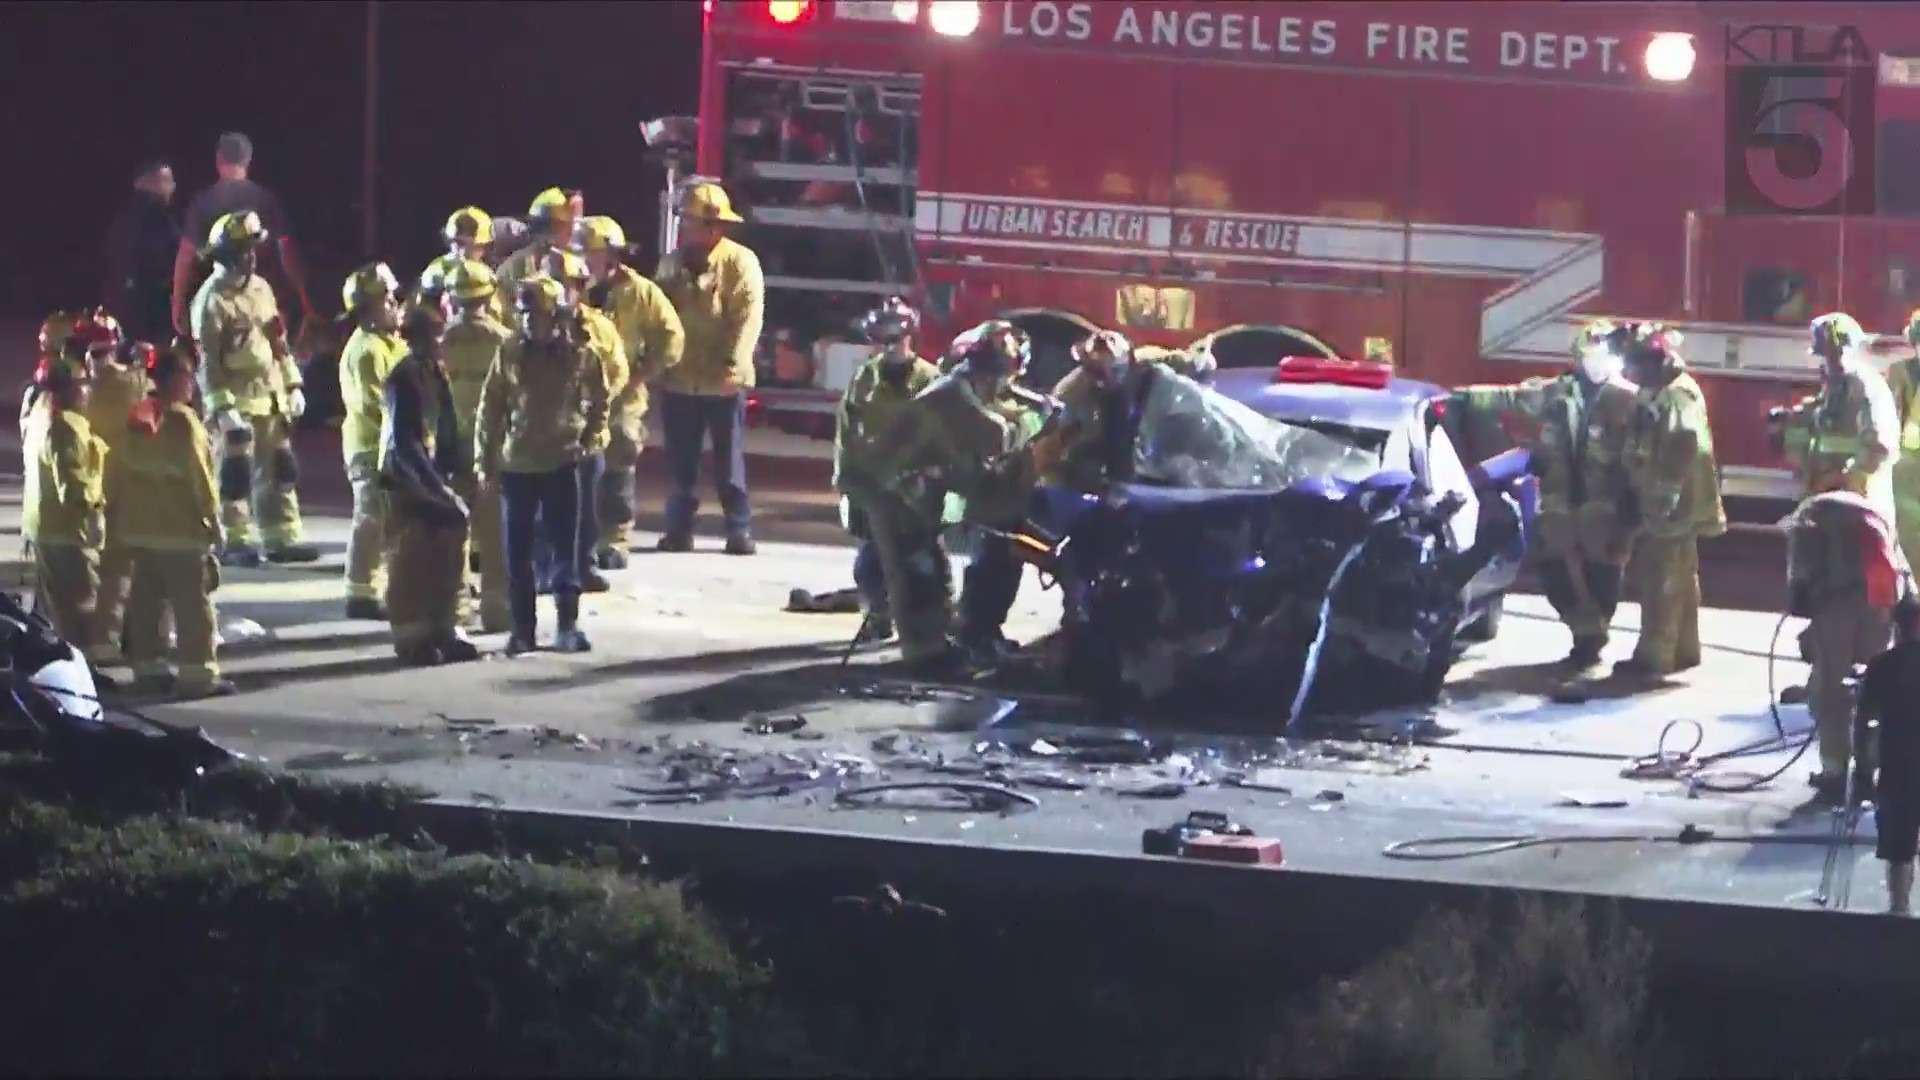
column 822, row 164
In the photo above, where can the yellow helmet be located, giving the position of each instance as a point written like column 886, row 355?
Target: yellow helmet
column 706, row 201
column 470, row 280
column 371, row 284
column 601, row 233
column 1593, row 333
column 540, row 294
column 1837, row 329
column 567, row 268
column 468, row 225
column 555, row 203
column 233, row 232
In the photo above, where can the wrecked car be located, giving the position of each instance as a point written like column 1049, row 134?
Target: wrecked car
column 1293, row 538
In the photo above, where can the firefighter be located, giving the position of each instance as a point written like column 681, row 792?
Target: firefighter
column 119, row 384
column 162, row 488
column 1575, row 426
column 1001, row 498
column 1903, row 382
column 1196, row 363
column 1093, row 446
column 66, row 520
column 468, row 234
column 717, row 288
column 1846, row 437
column 1675, row 486
column 603, row 341
column 1843, row 576
column 652, row 341
column 960, row 436
column 542, row 410
column 550, row 224
column 876, row 394
column 251, row 389
column 472, row 343
column 427, row 520
column 371, row 300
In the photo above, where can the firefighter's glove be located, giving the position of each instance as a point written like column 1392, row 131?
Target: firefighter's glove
column 296, row 403
column 230, row 421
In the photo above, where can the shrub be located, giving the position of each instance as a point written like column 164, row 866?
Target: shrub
column 1549, row 991
column 164, row 947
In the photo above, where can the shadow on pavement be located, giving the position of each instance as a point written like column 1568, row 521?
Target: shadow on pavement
column 763, row 691
column 702, row 663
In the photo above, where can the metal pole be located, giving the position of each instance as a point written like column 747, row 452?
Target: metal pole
column 370, row 132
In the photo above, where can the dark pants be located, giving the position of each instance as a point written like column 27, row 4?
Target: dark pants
column 988, row 589
column 552, row 501
column 870, row 578
column 589, row 472
column 148, row 312
column 1601, row 584
column 685, row 422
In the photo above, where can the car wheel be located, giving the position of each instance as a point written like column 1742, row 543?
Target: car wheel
column 1487, row 626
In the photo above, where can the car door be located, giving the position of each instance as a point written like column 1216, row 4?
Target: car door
column 1515, row 500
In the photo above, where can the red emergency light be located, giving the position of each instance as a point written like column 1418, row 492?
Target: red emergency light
column 1333, row 372
column 788, row 12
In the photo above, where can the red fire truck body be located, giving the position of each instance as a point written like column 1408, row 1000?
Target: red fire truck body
column 1455, row 186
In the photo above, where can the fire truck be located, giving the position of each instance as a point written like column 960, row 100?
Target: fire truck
column 1452, row 187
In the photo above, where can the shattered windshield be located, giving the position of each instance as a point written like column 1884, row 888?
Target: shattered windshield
column 1192, row 437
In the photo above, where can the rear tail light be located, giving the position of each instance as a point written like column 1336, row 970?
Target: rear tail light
column 788, row 12
column 1331, row 372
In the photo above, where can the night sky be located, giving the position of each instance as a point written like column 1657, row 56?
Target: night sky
column 480, row 102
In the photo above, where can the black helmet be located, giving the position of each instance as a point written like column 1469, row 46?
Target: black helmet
column 995, row 347
column 892, row 320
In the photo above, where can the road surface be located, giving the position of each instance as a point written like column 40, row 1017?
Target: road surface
column 691, row 651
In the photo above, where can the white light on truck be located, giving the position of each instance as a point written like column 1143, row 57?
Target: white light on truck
column 1670, row 57
column 954, row 18
column 906, row 11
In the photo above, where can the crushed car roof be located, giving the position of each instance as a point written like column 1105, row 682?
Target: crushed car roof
column 1353, row 406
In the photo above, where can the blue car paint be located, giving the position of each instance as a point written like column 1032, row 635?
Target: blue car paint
column 1383, row 409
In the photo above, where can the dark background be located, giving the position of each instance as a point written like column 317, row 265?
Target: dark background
column 480, row 102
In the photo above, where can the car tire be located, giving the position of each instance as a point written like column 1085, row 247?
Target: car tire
column 1487, row 626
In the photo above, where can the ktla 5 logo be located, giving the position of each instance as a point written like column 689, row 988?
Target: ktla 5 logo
column 1800, row 120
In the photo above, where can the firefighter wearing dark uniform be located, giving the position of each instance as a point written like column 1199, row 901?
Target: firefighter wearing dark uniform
column 542, row 410
column 161, row 487
column 251, row 389
column 955, row 437
column 119, row 384
column 67, row 518
column 876, row 394
column 1100, row 400
column 426, row 519
column 1575, row 426
column 991, row 583
column 371, row 298
column 472, row 343
column 652, row 341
